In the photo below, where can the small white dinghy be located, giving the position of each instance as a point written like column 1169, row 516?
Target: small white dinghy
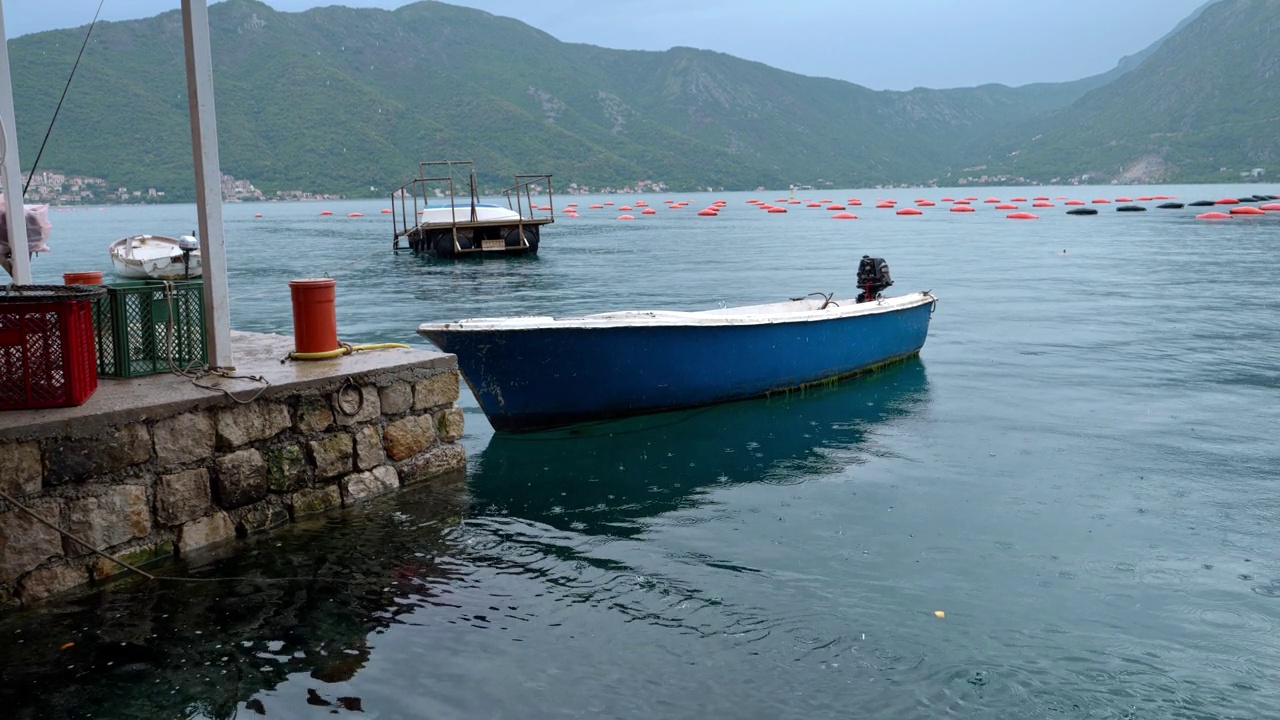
column 156, row 257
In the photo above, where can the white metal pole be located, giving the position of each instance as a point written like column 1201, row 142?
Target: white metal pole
column 15, row 220
column 204, row 149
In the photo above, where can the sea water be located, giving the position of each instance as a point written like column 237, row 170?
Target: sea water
column 1066, row 507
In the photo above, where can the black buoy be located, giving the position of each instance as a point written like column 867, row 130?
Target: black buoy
column 1131, row 208
column 1170, row 206
column 1247, row 199
column 512, row 239
column 1201, row 203
column 1082, row 211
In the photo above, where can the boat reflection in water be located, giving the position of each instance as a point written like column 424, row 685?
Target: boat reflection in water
column 607, row 478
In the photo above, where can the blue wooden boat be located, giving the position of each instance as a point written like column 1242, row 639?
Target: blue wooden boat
column 537, row 373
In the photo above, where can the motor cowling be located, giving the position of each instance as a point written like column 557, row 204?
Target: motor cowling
column 188, row 243
column 873, row 277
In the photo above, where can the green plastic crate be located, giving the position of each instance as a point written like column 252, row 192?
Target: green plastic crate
column 144, row 327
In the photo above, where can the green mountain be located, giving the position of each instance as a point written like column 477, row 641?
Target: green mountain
column 1201, row 107
column 348, row 101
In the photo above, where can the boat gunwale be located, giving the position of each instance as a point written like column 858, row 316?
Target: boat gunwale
column 715, row 317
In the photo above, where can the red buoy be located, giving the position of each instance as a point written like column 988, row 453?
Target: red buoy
column 835, row 207
column 910, row 211
column 1006, row 206
column 1073, row 202
column 925, row 203
column 1124, row 199
column 1022, row 216
column 1246, row 210
column 596, row 207
column 844, row 216
column 708, row 212
column 961, row 208
column 884, row 205
column 947, row 199
column 625, row 208
column 1101, row 201
column 1226, row 201
column 326, row 212
column 1040, row 197
column 355, row 214
column 626, row 217
column 385, row 211
column 1017, row 199
column 814, row 204
column 1042, row 204
column 1213, row 216
column 777, row 209
column 991, row 200
column 1271, row 207
column 648, row 211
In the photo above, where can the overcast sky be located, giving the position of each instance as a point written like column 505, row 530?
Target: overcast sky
column 895, row 45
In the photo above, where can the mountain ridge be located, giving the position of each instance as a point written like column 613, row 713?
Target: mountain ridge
column 1171, row 117
column 346, row 100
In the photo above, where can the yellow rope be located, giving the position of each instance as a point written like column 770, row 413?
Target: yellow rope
column 346, row 349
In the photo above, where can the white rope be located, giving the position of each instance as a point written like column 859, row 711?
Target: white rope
column 196, row 370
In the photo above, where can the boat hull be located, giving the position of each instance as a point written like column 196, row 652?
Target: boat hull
column 542, row 378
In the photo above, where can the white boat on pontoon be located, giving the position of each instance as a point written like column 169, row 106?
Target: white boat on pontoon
column 461, row 227
column 156, row 257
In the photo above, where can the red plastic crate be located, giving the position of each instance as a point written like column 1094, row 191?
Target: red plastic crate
column 47, row 354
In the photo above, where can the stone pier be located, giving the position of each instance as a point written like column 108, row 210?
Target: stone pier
column 155, row 466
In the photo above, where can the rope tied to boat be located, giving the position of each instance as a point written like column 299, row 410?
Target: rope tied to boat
column 345, row 348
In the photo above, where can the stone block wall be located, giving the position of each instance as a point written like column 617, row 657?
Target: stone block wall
column 211, row 471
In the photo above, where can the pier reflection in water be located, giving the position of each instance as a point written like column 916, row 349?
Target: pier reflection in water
column 140, row 649
column 409, row 564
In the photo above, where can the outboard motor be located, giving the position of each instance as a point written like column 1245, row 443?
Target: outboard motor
column 187, row 244
column 873, row 277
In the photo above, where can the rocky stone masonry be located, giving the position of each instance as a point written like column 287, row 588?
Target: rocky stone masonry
column 207, row 474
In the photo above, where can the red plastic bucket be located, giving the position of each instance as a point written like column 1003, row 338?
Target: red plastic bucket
column 315, row 321
column 92, row 277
